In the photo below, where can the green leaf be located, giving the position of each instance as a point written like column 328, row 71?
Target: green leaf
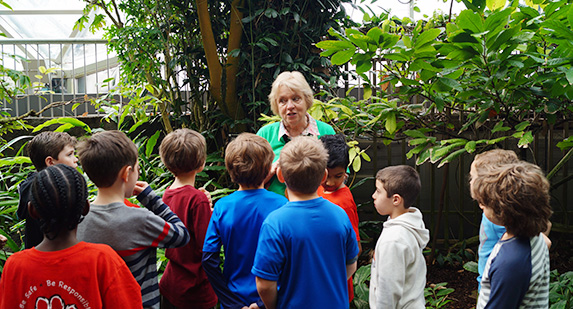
column 367, row 91
column 451, row 157
column 375, row 34
column 500, row 128
column 525, row 140
column 391, row 123
column 356, row 164
column 424, row 156
column 151, row 143
column 15, row 160
column 471, row 266
column 495, row 4
column 64, row 120
column 343, row 56
column 414, row 133
column 470, row 147
column 427, row 37
column 335, row 45
column 522, row 126
column 471, row 21
column 569, row 73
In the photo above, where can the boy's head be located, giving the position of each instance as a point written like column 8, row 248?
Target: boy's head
column 51, row 148
column 396, row 185
column 183, row 151
column 488, row 160
column 59, row 199
column 104, row 155
column 515, row 195
column 338, row 161
column 302, row 164
column 248, row 159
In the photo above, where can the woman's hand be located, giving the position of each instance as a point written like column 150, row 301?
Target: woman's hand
column 272, row 172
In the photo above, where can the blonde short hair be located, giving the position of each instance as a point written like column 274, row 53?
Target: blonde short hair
column 183, row 150
column 518, row 195
column 248, row 159
column 303, row 164
column 295, row 81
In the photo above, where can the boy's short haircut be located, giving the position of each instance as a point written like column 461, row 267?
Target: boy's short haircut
column 48, row 144
column 183, row 150
column 103, row 155
column 248, row 159
column 518, row 195
column 303, row 164
column 402, row 180
column 337, row 150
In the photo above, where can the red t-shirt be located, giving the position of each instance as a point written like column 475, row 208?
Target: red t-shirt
column 184, row 281
column 82, row 276
column 343, row 198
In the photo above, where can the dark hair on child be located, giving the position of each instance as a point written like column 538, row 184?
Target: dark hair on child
column 518, row 195
column 48, row 144
column 59, row 194
column 248, row 159
column 402, row 180
column 105, row 154
column 337, row 150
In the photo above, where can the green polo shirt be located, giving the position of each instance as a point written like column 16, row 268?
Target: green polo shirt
column 270, row 132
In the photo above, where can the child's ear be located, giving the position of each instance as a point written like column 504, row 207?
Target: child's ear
column 49, row 161
column 396, row 199
column 124, row 172
column 32, row 211
column 325, row 176
column 199, row 170
column 86, row 208
column 280, row 175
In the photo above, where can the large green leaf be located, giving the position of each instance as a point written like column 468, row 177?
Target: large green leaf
column 343, row 56
column 495, row 4
column 426, row 37
column 471, row 21
column 74, row 122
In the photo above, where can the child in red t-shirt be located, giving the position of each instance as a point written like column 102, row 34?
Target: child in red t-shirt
column 62, row 271
column 334, row 189
column 184, row 281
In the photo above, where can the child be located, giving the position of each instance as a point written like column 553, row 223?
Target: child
column 45, row 149
column 334, row 189
column 184, row 282
column 490, row 233
column 109, row 159
column 516, row 274
column 307, row 247
column 237, row 220
column 62, row 272
column 399, row 269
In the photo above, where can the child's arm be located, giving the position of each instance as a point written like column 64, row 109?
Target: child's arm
column 174, row 232
column 391, row 268
column 226, row 297
column 350, row 270
column 268, row 291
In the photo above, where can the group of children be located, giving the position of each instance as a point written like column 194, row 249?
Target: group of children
column 278, row 252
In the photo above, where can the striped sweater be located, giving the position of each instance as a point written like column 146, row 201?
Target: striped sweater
column 516, row 275
column 135, row 233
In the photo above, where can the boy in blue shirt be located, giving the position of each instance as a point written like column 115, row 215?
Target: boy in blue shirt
column 516, row 275
column 307, row 249
column 236, row 222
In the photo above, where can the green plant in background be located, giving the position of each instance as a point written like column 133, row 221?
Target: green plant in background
column 561, row 290
column 361, row 280
column 454, row 88
column 437, row 295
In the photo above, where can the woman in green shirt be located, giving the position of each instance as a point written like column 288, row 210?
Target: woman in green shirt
column 290, row 98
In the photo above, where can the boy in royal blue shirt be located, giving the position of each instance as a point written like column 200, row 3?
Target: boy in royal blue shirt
column 307, row 247
column 236, row 222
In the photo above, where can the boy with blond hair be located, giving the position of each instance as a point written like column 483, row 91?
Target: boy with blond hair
column 184, row 282
column 516, row 275
column 45, row 149
column 237, row 220
column 109, row 158
column 307, row 247
column 399, row 268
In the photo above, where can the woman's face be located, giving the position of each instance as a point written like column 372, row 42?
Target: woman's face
column 292, row 108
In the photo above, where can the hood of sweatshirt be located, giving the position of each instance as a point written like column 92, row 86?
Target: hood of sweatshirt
column 414, row 223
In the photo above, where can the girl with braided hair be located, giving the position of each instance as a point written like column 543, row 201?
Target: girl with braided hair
column 61, row 271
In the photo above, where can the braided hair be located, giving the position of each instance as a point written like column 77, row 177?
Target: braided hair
column 59, row 194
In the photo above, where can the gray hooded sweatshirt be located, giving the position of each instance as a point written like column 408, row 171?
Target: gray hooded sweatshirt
column 399, row 268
